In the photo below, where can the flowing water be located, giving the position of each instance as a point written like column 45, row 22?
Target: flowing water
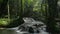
column 16, row 30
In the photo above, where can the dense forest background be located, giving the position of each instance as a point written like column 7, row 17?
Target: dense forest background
column 12, row 13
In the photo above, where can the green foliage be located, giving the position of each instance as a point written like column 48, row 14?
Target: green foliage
column 30, row 8
column 4, row 21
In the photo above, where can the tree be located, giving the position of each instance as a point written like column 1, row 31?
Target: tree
column 3, row 9
column 51, row 24
column 17, row 6
column 19, row 9
column 28, row 8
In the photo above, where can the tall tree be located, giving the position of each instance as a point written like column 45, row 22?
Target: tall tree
column 51, row 24
column 3, row 9
column 20, row 20
column 28, row 8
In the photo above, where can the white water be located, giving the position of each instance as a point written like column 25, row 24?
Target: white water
column 16, row 31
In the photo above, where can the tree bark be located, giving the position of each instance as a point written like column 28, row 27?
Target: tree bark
column 51, row 24
column 3, row 8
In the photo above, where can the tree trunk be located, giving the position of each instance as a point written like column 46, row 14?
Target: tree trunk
column 51, row 24
column 3, row 8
